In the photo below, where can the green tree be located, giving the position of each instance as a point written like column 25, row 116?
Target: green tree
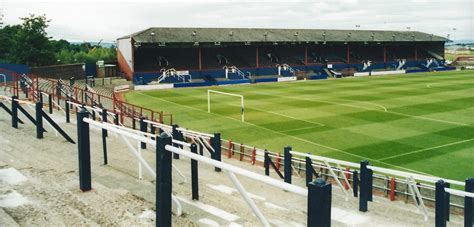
column 31, row 44
column 7, row 35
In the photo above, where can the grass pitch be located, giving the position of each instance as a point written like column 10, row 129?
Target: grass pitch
column 420, row 122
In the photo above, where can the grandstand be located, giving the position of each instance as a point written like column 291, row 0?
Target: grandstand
column 203, row 52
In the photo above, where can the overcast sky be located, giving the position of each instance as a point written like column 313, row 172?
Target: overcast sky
column 108, row 20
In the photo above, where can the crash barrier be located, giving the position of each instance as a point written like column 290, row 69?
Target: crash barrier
column 318, row 192
column 37, row 120
column 351, row 178
column 34, row 88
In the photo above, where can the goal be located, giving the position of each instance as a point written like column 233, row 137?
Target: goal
column 228, row 94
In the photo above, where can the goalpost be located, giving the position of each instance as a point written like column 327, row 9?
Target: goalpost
column 229, row 94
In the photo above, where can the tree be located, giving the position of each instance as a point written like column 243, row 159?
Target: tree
column 7, row 41
column 31, row 44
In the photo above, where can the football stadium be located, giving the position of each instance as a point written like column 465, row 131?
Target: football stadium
column 201, row 126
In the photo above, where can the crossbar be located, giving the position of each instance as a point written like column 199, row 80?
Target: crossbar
column 229, row 94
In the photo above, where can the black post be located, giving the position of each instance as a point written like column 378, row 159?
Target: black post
column 41, row 97
column 152, row 130
column 39, row 120
column 116, row 119
column 133, row 122
column 67, row 111
column 175, row 134
column 266, row 163
column 216, row 144
column 50, row 103
column 440, row 204
column 194, row 174
column 104, row 136
column 309, row 171
column 364, row 186
column 447, row 200
column 104, row 119
column 201, row 149
column 14, row 111
column 163, row 181
column 83, row 145
column 355, row 182
column 143, row 126
column 287, row 164
column 370, row 181
column 319, row 203
column 469, row 204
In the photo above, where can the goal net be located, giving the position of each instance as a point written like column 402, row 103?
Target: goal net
column 226, row 103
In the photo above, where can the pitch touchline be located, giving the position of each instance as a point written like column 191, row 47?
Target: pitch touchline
column 426, row 149
column 298, row 129
column 361, row 107
column 291, row 136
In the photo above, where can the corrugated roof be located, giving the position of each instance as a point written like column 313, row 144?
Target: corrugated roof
column 228, row 35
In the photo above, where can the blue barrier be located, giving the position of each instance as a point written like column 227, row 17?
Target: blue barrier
column 7, row 69
column 417, row 70
column 193, row 84
column 225, row 82
column 265, row 80
column 318, row 77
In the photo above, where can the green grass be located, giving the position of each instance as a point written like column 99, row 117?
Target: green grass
column 420, row 122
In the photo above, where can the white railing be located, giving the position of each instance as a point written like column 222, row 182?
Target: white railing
column 233, row 69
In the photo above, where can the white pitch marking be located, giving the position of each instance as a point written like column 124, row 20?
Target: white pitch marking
column 427, row 149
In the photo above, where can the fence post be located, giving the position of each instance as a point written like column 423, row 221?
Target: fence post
column 50, row 103
column 116, row 119
column 469, row 204
column 355, row 182
column 67, row 111
column 15, row 111
column 319, row 203
column 152, row 130
column 370, row 182
column 287, row 162
column 175, row 135
column 83, row 145
column 309, row 170
column 104, row 136
column 163, row 181
column 447, row 199
column 143, row 127
column 364, row 186
column 392, row 189
column 39, row 120
column 440, row 204
column 194, row 174
column 216, row 144
column 266, row 163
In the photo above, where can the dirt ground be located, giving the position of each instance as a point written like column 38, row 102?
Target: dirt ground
column 39, row 186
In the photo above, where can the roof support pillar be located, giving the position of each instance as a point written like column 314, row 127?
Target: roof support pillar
column 256, row 57
column 306, row 55
column 348, row 57
column 199, row 58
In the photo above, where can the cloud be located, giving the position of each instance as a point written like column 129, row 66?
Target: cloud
column 107, row 19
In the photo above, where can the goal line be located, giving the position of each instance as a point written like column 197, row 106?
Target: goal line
column 228, row 94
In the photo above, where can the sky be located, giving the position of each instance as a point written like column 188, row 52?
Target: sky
column 108, row 20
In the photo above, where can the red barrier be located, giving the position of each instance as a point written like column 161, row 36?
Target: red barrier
column 277, row 162
column 241, row 155
column 348, row 176
column 392, row 189
column 229, row 149
column 254, row 153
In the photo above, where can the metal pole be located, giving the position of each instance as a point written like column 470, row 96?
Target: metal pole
column 15, row 111
column 469, row 204
column 39, row 120
column 319, row 203
column 355, row 182
column 364, row 186
column 104, row 136
column 175, row 135
column 440, row 204
column 143, row 127
column 83, row 145
column 163, row 181
column 309, row 170
column 194, row 174
column 50, row 103
column 287, row 163
column 216, row 144
column 67, row 111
